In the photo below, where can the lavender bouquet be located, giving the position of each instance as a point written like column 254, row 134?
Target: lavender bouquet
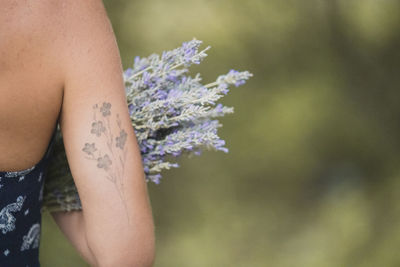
column 171, row 112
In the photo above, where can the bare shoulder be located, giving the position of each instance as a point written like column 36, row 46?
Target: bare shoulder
column 87, row 30
column 51, row 23
column 30, row 17
column 33, row 28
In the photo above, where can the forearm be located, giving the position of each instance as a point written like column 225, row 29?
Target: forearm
column 116, row 242
column 72, row 225
column 139, row 254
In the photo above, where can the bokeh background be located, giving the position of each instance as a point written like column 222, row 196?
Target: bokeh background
column 312, row 177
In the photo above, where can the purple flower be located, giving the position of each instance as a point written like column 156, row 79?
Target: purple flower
column 189, row 50
column 219, row 108
column 147, row 78
column 128, row 72
column 169, row 109
column 161, row 150
column 136, row 60
column 131, row 108
column 224, row 88
column 172, row 76
column 155, row 178
column 239, row 83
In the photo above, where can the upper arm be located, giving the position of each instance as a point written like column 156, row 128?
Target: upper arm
column 99, row 139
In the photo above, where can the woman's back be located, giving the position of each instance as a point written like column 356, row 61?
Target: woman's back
column 31, row 85
column 30, row 103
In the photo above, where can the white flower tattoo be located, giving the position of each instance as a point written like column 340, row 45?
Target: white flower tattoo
column 105, row 109
column 113, row 162
column 121, row 139
column 89, row 148
column 98, row 128
column 104, row 162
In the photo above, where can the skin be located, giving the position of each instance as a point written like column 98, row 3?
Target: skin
column 60, row 60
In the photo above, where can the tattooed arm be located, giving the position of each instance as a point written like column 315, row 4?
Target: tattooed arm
column 100, row 145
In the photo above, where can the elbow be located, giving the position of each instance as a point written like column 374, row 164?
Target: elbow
column 138, row 251
column 136, row 259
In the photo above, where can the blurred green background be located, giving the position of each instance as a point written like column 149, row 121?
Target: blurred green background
column 312, row 177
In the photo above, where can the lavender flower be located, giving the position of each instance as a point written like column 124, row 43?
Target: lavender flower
column 171, row 112
column 234, row 77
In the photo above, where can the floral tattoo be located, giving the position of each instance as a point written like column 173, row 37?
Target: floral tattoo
column 112, row 162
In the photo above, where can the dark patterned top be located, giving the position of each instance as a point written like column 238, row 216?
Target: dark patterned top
column 21, row 196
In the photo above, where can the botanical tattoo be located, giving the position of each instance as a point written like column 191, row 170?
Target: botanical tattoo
column 111, row 161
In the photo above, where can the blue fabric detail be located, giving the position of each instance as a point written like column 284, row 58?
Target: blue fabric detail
column 21, row 196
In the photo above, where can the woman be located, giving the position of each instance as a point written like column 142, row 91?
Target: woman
column 59, row 63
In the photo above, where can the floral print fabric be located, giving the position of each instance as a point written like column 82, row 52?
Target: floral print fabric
column 21, row 197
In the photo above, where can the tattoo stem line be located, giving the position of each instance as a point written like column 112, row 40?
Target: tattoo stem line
column 113, row 166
